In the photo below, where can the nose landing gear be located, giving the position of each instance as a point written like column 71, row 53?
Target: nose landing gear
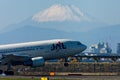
column 66, row 63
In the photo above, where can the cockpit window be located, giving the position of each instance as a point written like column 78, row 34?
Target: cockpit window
column 78, row 43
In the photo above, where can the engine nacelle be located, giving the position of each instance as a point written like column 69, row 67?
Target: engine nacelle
column 35, row 62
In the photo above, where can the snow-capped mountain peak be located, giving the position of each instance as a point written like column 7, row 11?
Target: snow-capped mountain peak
column 60, row 13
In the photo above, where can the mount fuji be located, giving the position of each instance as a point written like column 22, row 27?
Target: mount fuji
column 68, row 18
column 61, row 13
column 65, row 18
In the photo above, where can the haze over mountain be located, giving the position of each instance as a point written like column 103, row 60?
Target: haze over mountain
column 61, row 21
column 66, row 18
column 61, row 17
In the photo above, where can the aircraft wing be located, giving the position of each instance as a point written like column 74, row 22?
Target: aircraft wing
column 12, row 58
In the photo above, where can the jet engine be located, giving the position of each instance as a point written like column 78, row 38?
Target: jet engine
column 35, row 62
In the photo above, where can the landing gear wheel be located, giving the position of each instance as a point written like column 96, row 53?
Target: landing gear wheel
column 66, row 64
column 9, row 72
column 1, row 71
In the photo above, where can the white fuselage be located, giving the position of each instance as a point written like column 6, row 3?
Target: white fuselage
column 49, row 49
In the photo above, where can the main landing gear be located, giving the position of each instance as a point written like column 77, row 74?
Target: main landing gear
column 8, row 71
column 1, row 71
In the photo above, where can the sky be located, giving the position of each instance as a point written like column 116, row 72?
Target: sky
column 14, row 11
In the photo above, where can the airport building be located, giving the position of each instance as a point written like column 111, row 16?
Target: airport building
column 118, row 48
column 101, row 47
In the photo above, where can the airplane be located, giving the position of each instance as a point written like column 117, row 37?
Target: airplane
column 34, row 54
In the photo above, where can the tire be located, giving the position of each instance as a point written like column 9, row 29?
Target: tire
column 66, row 64
column 1, row 71
column 9, row 72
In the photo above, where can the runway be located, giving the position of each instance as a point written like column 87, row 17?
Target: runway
column 65, row 77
